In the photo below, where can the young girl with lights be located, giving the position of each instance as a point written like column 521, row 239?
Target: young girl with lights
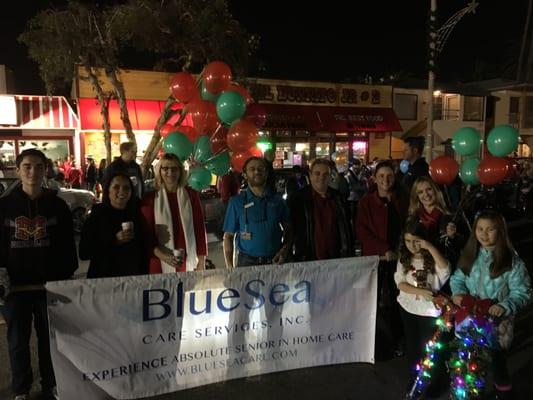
column 421, row 271
column 489, row 268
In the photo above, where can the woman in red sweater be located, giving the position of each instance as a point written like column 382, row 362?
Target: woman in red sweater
column 173, row 221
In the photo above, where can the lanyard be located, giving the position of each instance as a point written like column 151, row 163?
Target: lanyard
column 246, row 210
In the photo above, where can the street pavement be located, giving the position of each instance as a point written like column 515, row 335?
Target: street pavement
column 385, row 380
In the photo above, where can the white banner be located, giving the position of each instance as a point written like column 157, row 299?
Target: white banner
column 142, row 336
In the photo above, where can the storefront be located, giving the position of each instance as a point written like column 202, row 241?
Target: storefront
column 42, row 122
column 304, row 119
column 315, row 119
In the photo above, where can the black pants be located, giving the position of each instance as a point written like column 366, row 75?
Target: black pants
column 389, row 332
column 19, row 311
column 418, row 331
column 245, row 260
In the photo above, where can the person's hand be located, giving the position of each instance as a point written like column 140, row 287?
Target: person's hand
column 451, row 229
column 390, row 255
column 280, row 257
column 426, row 294
column 496, row 310
column 457, row 299
column 201, row 264
column 419, row 244
column 124, row 236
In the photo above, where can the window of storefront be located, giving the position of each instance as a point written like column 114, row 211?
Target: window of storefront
column 283, row 155
column 322, row 149
column 53, row 149
column 473, row 110
column 405, row 106
column 301, row 155
column 360, row 149
column 514, row 111
column 7, row 153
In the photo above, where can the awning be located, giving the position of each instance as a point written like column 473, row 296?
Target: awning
column 143, row 115
column 41, row 112
column 331, row 119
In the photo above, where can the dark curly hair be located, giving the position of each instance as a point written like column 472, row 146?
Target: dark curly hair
column 414, row 227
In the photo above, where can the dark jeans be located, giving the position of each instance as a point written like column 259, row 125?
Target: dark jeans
column 244, row 260
column 19, row 311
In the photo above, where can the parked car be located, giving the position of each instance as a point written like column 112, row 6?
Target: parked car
column 79, row 201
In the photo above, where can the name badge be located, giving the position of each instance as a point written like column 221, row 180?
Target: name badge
column 249, row 204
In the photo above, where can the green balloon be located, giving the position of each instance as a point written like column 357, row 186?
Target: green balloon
column 202, row 149
column 502, row 140
column 230, row 107
column 207, row 95
column 219, row 164
column 178, row 144
column 199, row 178
column 466, row 141
column 468, row 171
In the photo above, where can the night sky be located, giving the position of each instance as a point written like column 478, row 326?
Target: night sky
column 340, row 41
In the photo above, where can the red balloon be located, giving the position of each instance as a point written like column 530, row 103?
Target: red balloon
column 191, row 133
column 166, row 129
column 218, row 141
column 238, row 159
column 256, row 114
column 443, row 170
column 176, row 106
column 183, row 87
column 217, row 77
column 204, row 116
column 492, row 170
column 235, row 87
column 242, row 136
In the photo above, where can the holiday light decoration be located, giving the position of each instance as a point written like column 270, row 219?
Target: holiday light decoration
column 472, row 349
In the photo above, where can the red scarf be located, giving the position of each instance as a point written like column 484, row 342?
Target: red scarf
column 429, row 220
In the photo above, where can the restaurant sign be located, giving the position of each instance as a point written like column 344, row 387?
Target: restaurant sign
column 318, row 93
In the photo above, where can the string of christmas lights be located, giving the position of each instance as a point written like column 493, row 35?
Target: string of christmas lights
column 471, row 358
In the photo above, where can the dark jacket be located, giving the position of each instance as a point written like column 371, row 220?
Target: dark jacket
column 36, row 238
column 303, row 222
column 372, row 222
column 98, row 243
column 417, row 169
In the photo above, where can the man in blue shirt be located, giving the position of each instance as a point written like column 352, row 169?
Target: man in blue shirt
column 260, row 220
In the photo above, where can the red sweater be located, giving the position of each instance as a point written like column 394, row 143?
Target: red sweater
column 372, row 222
column 150, row 238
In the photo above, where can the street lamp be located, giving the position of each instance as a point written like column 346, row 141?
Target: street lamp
column 437, row 40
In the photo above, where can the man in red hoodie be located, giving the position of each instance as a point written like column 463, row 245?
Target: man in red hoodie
column 36, row 246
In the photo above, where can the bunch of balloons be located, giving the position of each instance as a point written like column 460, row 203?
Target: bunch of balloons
column 501, row 141
column 224, row 119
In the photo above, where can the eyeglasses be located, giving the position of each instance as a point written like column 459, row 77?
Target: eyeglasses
column 171, row 169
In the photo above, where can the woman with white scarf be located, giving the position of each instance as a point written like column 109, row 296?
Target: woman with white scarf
column 173, row 221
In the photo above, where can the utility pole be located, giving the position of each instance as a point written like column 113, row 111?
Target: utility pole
column 437, row 40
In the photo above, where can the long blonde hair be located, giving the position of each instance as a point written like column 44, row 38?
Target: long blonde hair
column 182, row 180
column 414, row 203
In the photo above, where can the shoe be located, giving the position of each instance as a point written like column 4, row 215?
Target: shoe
column 22, row 397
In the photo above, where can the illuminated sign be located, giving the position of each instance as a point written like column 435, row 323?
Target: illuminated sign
column 8, row 110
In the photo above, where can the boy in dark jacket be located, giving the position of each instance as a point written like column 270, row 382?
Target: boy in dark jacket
column 36, row 246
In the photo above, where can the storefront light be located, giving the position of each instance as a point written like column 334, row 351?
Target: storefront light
column 301, row 146
column 264, row 146
column 437, row 93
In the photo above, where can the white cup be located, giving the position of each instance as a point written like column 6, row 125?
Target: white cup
column 127, row 226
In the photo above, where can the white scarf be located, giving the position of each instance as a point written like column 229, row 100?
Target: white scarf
column 165, row 231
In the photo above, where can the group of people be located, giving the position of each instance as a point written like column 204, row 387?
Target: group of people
column 423, row 249
column 129, row 233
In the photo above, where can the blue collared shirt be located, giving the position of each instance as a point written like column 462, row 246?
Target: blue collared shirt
column 261, row 218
